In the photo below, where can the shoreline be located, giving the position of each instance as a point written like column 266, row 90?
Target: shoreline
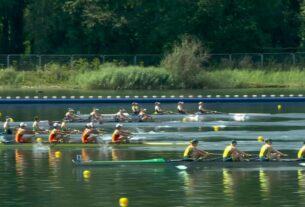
column 112, row 77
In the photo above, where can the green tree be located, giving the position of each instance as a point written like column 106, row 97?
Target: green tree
column 185, row 62
column 11, row 26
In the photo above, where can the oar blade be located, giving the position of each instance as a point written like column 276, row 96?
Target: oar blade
column 181, row 167
column 302, row 164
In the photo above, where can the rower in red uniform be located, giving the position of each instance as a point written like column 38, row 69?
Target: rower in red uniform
column 23, row 135
column 119, row 135
column 55, row 135
column 89, row 134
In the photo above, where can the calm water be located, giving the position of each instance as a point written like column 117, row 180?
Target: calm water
column 35, row 177
column 38, row 178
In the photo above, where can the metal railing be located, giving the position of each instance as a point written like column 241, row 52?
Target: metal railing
column 234, row 60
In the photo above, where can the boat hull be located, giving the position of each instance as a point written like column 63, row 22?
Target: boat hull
column 195, row 164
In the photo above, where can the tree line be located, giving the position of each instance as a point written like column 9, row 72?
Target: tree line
column 149, row 26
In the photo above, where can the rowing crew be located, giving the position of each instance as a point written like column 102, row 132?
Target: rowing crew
column 56, row 135
column 121, row 116
column 232, row 153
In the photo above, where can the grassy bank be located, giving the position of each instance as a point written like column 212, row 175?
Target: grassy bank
column 111, row 76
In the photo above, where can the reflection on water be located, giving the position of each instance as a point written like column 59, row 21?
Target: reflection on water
column 228, row 184
column 264, row 184
column 43, row 173
column 19, row 160
column 301, row 182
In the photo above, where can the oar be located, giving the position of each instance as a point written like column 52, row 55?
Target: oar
column 302, row 164
column 184, row 167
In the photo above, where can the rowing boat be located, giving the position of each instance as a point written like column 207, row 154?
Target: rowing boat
column 95, row 145
column 184, row 164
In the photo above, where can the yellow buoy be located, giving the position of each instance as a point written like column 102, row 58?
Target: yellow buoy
column 57, row 154
column 260, row 138
column 123, row 202
column 0, row 114
column 279, row 107
column 184, row 119
column 39, row 140
column 86, row 173
column 216, row 128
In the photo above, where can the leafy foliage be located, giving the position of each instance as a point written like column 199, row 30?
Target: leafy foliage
column 185, row 62
column 149, row 27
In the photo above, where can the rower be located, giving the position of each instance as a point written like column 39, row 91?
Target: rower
column 158, row 109
column 63, row 126
column 201, row 108
column 71, row 116
column 95, row 116
column 143, row 116
column 135, row 108
column 23, row 135
column 301, row 153
column 56, row 136
column 231, row 153
column 36, row 127
column 193, row 153
column 89, row 134
column 119, row 135
column 180, row 108
column 121, row 116
column 6, row 126
column 268, row 153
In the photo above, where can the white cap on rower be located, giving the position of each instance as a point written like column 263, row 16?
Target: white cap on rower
column 90, row 125
column 56, row 125
column 118, row 125
column 22, row 124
